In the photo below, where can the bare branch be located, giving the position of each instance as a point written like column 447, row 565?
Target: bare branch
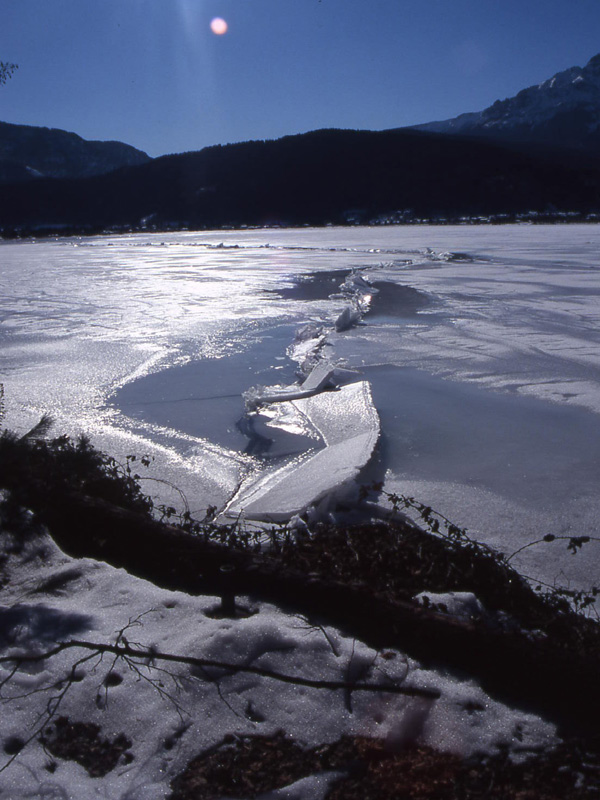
column 140, row 659
column 126, row 651
column 6, row 71
column 310, row 627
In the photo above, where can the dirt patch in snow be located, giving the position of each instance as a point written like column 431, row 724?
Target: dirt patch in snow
column 248, row 766
column 82, row 742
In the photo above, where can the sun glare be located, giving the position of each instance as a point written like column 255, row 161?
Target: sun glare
column 218, row 26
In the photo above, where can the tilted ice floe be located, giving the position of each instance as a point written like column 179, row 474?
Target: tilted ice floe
column 322, row 376
column 356, row 284
column 447, row 256
column 348, row 319
column 349, row 425
column 306, row 348
column 360, row 293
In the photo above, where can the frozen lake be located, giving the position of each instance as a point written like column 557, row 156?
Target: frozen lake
column 482, row 349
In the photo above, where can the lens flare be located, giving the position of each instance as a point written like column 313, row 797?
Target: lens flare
column 218, row 26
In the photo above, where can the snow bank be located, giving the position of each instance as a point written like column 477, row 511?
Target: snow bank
column 171, row 715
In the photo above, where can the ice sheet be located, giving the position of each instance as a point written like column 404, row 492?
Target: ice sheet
column 513, row 309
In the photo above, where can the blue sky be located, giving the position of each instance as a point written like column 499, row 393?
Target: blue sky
column 151, row 72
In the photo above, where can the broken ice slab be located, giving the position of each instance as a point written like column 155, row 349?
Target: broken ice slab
column 349, row 424
column 347, row 319
column 357, row 284
column 320, row 377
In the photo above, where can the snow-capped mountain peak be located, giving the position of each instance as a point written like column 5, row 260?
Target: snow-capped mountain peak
column 564, row 109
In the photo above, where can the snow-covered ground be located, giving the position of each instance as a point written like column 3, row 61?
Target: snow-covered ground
column 481, row 348
column 170, row 712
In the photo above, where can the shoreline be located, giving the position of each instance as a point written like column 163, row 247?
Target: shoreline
column 535, row 218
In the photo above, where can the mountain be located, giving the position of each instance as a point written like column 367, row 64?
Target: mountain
column 562, row 112
column 28, row 152
column 324, row 176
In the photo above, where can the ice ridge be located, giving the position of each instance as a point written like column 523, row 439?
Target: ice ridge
column 340, row 410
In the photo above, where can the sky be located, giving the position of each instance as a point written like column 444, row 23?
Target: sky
column 153, row 73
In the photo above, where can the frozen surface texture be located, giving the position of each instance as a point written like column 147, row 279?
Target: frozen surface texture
column 147, row 342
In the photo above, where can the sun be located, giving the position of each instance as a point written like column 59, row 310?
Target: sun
column 218, row 26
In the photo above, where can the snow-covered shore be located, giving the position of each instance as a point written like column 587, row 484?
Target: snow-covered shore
column 171, row 713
